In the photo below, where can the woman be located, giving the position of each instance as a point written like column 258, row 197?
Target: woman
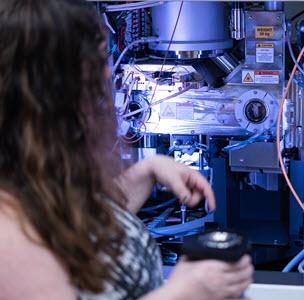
column 65, row 229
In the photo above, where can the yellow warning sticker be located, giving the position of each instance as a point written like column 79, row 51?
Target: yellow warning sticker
column 247, row 76
column 264, row 32
column 265, row 53
column 265, row 45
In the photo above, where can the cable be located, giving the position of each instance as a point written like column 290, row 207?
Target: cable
column 294, row 262
column 133, row 6
column 289, row 34
column 278, row 132
column 301, row 267
column 180, row 228
column 297, row 15
column 150, row 39
column 169, row 45
column 130, row 114
column 243, row 144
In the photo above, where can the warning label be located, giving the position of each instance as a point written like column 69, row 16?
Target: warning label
column 265, row 53
column 184, row 111
column 247, row 76
column 267, row 77
column 264, row 32
column 168, row 110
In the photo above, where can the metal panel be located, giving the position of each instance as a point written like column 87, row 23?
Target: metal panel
column 257, row 156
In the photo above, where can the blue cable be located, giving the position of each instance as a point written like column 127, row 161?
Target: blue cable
column 301, row 267
column 180, row 228
column 294, row 262
column 154, row 207
column 243, row 144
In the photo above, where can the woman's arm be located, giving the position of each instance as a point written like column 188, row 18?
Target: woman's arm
column 206, row 280
column 187, row 184
column 28, row 271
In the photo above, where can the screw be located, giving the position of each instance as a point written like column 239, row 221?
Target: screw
column 271, row 102
column 240, row 101
column 255, row 92
column 240, row 120
column 192, row 131
column 271, row 121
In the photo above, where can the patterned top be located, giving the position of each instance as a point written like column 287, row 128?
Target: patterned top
column 138, row 270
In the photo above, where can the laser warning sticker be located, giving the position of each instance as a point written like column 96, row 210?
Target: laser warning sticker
column 267, row 77
column 168, row 110
column 264, row 32
column 264, row 53
column 247, row 76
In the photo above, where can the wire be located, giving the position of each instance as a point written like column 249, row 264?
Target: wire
column 289, row 34
column 297, row 15
column 243, row 144
column 142, row 40
column 180, row 228
column 133, row 6
column 294, row 262
column 158, row 102
column 169, row 45
column 278, row 133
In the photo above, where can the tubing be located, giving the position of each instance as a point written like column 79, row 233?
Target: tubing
column 154, row 207
column 294, row 262
column 181, row 228
column 301, row 267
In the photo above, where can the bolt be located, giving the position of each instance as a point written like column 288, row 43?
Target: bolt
column 240, row 101
column 255, row 92
column 271, row 102
column 240, row 120
column 271, row 121
column 241, row 160
column 192, row 131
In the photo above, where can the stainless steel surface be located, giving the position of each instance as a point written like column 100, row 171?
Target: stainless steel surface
column 196, row 29
column 274, row 5
column 294, row 115
column 254, row 158
column 269, row 182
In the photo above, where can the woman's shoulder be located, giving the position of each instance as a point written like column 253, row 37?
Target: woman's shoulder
column 28, row 270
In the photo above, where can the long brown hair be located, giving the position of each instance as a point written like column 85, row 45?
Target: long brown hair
column 57, row 130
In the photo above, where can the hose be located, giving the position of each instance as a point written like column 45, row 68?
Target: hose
column 294, row 262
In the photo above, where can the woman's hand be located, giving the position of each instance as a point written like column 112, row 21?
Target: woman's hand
column 187, row 184
column 206, row 280
column 212, row 279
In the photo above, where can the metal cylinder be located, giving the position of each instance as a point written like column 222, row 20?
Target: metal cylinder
column 274, row 5
column 237, row 23
column 226, row 62
column 202, row 26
